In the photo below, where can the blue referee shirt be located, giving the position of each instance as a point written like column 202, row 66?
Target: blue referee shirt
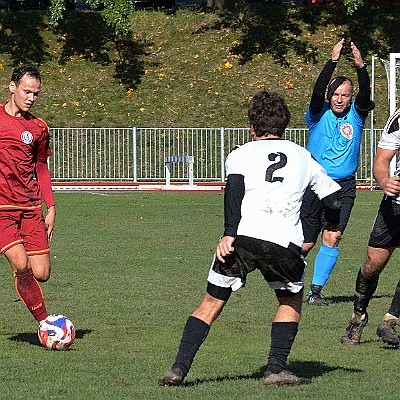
column 335, row 141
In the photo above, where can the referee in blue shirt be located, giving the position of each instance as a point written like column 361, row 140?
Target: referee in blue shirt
column 335, row 119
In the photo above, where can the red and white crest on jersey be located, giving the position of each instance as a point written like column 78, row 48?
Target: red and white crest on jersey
column 347, row 131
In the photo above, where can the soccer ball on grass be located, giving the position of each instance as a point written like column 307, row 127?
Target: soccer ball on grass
column 56, row 332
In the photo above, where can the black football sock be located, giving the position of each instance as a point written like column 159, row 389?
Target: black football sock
column 194, row 334
column 282, row 338
column 395, row 306
column 365, row 288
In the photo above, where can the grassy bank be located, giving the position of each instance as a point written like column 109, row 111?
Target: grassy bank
column 188, row 68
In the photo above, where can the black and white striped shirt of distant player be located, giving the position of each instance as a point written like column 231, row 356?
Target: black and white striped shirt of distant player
column 390, row 140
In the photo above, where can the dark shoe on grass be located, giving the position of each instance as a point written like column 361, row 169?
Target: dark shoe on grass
column 352, row 334
column 284, row 378
column 173, row 377
column 387, row 332
column 316, row 299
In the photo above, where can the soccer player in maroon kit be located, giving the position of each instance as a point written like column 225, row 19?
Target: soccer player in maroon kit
column 24, row 182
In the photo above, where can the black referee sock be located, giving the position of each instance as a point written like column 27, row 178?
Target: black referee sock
column 282, row 338
column 395, row 306
column 194, row 334
column 365, row 288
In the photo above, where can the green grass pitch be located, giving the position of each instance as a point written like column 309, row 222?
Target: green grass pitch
column 129, row 268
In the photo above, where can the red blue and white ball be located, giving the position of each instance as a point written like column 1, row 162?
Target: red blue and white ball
column 56, row 332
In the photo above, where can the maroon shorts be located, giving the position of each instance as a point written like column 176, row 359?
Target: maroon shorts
column 25, row 227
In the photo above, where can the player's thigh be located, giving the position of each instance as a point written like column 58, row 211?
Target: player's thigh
column 33, row 230
column 283, row 268
column 10, row 230
column 17, row 257
column 385, row 233
column 376, row 260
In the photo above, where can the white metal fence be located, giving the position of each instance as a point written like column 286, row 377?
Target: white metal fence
column 138, row 154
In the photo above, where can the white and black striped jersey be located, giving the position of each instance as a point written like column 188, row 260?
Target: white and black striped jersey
column 390, row 140
column 276, row 173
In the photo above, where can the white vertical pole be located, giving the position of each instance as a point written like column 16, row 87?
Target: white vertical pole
column 392, row 80
column 372, row 135
column 134, row 153
column 222, row 154
column 392, row 97
column 190, row 169
column 167, row 174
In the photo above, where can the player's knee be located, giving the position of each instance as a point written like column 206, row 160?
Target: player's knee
column 370, row 268
column 42, row 278
column 306, row 248
column 331, row 238
column 41, row 275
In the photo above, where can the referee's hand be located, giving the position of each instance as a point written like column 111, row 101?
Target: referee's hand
column 337, row 49
column 224, row 248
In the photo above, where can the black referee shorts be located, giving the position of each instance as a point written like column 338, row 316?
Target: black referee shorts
column 312, row 211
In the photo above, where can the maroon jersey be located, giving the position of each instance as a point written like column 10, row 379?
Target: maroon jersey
column 23, row 141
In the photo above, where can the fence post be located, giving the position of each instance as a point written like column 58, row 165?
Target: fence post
column 372, row 136
column 222, row 154
column 134, row 153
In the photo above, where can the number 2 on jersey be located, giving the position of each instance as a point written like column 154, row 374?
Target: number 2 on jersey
column 282, row 161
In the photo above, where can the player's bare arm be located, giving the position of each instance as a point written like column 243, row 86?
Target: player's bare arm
column 50, row 221
column 224, row 248
column 358, row 61
column 389, row 184
column 337, row 50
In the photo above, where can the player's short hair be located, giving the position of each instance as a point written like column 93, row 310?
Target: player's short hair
column 335, row 83
column 268, row 113
column 29, row 70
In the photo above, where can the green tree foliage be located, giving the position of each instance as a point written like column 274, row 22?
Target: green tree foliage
column 115, row 13
column 352, row 5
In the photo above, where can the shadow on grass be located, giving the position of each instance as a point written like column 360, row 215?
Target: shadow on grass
column 86, row 35
column 383, row 345
column 79, row 36
column 306, row 369
column 22, row 39
column 280, row 30
column 350, row 299
column 32, row 337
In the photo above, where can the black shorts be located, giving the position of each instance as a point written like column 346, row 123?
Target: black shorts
column 386, row 230
column 281, row 267
column 312, row 211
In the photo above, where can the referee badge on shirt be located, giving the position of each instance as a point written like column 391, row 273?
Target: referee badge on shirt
column 347, row 131
column 26, row 137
